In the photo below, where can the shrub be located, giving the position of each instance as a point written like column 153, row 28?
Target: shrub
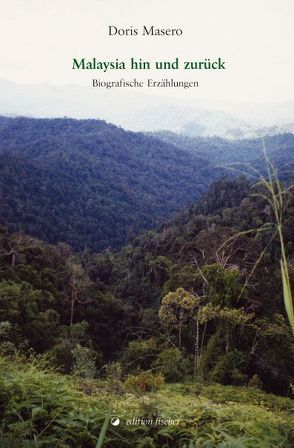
column 62, row 356
column 41, row 408
column 139, row 354
column 148, row 407
column 5, row 329
column 113, row 377
column 238, row 378
column 228, row 368
column 144, row 382
column 84, row 362
column 7, row 348
column 255, row 381
column 171, row 364
column 213, row 351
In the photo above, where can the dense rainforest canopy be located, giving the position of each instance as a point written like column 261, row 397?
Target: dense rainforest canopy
column 221, row 151
column 91, row 184
column 127, row 285
column 193, row 298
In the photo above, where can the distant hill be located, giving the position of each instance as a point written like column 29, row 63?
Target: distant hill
column 89, row 183
column 141, row 112
column 201, row 122
column 279, row 148
column 191, row 121
column 92, row 184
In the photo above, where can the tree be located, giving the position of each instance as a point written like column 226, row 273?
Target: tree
column 84, row 362
column 78, row 284
column 177, row 308
column 223, row 285
column 228, row 318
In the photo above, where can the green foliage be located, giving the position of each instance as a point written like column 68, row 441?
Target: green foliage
column 84, row 362
column 7, row 348
column 224, row 152
column 183, row 285
column 210, row 281
column 224, row 285
column 275, row 349
column 229, row 316
column 229, row 369
column 41, row 408
column 213, row 257
column 77, row 173
column 113, row 372
column 143, row 382
column 177, row 308
column 160, row 267
column 255, row 381
column 148, row 407
column 140, row 354
column 171, row 363
column 62, row 356
column 180, row 276
column 5, row 328
column 213, row 351
column 35, row 302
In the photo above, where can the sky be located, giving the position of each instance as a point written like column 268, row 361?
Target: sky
column 39, row 38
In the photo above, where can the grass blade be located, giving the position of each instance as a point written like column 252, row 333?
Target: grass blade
column 103, row 431
column 288, row 300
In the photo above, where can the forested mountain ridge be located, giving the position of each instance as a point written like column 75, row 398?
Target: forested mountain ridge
column 231, row 206
column 279, row 148
column 89, row 183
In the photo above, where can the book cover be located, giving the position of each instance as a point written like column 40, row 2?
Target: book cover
column 146, row 223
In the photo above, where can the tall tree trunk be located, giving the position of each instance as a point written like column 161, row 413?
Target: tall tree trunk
column 72, row 304
column 196, row 350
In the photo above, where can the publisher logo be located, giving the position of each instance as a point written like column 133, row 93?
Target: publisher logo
column 115, row 421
